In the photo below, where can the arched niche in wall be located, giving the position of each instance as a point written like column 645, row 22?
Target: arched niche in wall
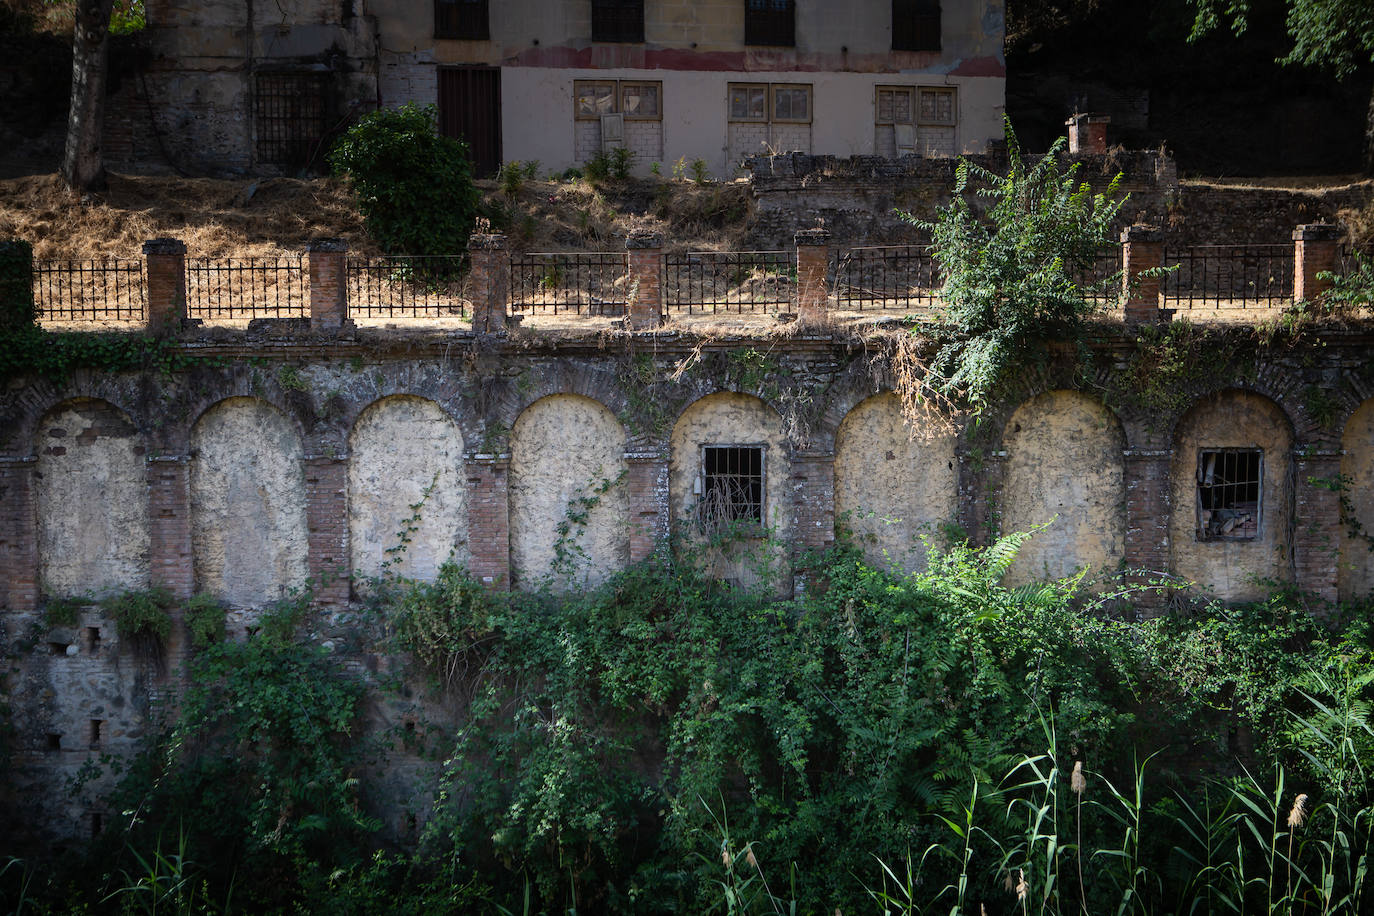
column 1231, row 495
column 248, row 526
column 894, row 482
column 569, row 505
column 1356, row 575
column 1064, row 469
column 92, row 500
column 405, row 451
column 728, row 486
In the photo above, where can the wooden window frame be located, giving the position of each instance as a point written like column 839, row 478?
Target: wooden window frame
column 952, row 92
column 910, row 91
column 618, row 88
column 770, row 103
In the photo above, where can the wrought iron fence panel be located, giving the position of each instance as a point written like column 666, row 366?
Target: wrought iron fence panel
column 408, row 287
column 265, row 287
column 701, row 282
column 100, row 289
column 1228, row 276
column 582, row 282
column 895, row 277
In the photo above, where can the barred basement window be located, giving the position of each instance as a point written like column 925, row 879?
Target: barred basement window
column 770, row 22
column 915, row 25
column 289, row 111
column 731, row 486
column 463, row 19
column 1229, row 493
column 617, row 20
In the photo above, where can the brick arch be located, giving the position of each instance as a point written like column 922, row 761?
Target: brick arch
column 856, row 384
column 240, row 383
column 595, row 384
column 451, row 391
column 1287, row 402
column 41, row 398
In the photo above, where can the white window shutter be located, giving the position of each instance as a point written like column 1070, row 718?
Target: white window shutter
column 612, row 131
column 906, row 139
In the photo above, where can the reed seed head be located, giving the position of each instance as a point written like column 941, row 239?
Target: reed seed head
column 1298, row 815
column 1077, row 781
column 1022, row 888
column 726, row 858
column 749, row 858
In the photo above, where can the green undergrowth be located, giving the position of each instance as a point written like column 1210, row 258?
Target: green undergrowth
column 667, row 743
column 31, row 350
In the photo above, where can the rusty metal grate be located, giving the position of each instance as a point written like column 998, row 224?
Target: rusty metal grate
column 290, row 116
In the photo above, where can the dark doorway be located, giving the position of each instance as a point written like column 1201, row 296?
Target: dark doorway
column 470, row 109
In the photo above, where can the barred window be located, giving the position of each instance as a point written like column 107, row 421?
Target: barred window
column 731, row 486
column 1229, row 493
column 289, row 115
column 770, row 22
column 915, row 25
column 617, row 20
column 463, row 19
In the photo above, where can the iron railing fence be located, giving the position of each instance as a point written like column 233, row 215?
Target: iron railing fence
column 698, row 282
column 1101, row 283
column 1228, row 276
column 429, row 286
column 582, row 282
column 99, row 289
column 236, row 288
column 892, row 277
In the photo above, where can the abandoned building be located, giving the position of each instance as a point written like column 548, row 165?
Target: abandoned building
column 228, row 86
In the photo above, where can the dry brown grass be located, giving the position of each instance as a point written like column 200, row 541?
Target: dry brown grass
column 214, row 217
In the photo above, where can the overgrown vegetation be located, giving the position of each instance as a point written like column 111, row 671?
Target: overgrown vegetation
column 414, row 186
column 1013, row 279
column 667, row 743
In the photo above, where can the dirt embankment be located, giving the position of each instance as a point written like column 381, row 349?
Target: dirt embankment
column 244, row 218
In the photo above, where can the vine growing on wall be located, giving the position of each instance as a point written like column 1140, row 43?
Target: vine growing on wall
column 568, row 553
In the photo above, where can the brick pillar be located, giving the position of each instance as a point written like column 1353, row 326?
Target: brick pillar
column 813, row 262
column 647, row 482
column 18, row 535
column 489, row 518
column 1088, row 133
column 813, row 498
column 1315, row 247
column 326, row 519
column 169, row 516
column 166, row 278
column 490, row 280
column 328, row 260
column 1147, row 508
column 1142, row 248
column 645, row 251
column 1317, row 531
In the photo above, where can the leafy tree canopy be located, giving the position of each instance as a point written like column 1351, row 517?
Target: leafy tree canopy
column 1338, row 34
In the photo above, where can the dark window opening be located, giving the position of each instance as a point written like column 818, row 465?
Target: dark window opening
column 915, row 25
column 53, row 742
column 97, row 824
column 290, row 114
column 1229, row 488
column 463, row 19
column 731, row 486
column 617, row 20
column 90, row 636
column 770, row 22
column 97, row 729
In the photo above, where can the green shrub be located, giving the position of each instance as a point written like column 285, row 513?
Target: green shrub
column 63, row 612
column 17, row 308
column 622, row 162
column 414, row 187
column 597, row 168
column 205, row 621
column 142, row 618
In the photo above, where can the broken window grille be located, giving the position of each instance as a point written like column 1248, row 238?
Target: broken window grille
column 289, row 111
column 731, row 487
column 617, row 20
column 462, row 19
column 1229, row 493
column 915, row 25
column 770, row 22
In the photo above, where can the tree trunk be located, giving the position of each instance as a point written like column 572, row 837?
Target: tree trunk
column 1369, row 135
column 82, row 166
